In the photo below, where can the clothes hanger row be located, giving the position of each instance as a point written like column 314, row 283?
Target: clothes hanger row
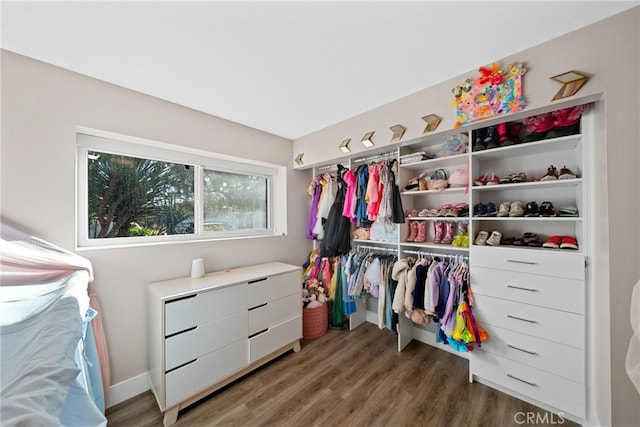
column 450, row 257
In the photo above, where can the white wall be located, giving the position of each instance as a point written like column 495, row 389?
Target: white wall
column 610, row 51
column 41, row 106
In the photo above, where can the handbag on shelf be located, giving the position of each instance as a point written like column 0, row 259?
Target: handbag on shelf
column 438, row 180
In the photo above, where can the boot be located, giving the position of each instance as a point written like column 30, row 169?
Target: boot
column 478, row 140
column 504, row 138
column 567, row 122
column 438, row 229
column 422, row 232
column 413, row 231
column 448, row 233
column 490, row 139
column 538, row 126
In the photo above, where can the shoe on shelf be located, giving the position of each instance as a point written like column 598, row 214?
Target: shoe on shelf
column 566, row 173
column 553, row 242
column 491, row 138
column 494, row 239
column 551, row 175
column 519, row 177
column 504, row 136
column 547, row 209
column 569, row 242
column 423, row 213
column 507, row 179
column 411, row 213
column 517, row 209
column 422, row 232
column 531, row 209
column 481, row 238
column 432, row 212
column 566, row 122
column 448, row 233
column 481, row 180
column 478, row 140
column 462, row 208
column 504, row 209
column 492, row 179
column 538, row 126
column 413, row 231
column 490, row 209
column 479, row 210
column 438, row 229
column 531, row 239
column 507, row 240
column 568, row 211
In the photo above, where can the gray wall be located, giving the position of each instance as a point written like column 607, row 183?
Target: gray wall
column 41, row 106
column 610, row 51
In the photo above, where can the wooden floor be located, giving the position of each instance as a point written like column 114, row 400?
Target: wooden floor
column 354, row 378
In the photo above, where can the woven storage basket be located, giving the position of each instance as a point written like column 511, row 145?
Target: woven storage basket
column 315, row 322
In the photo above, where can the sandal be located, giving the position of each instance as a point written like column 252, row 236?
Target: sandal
column 531, row 239
column 551, row 175
column 565, row 173
column 519, row 177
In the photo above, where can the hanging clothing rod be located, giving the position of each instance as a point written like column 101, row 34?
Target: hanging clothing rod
column 432, row 254
column 376, row 248
column 376, row 157
column 329, row 168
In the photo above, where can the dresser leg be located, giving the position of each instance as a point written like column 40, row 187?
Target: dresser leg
column 296, row 346
column 171, row 416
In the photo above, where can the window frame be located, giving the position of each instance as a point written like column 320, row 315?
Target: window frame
column 88, row 139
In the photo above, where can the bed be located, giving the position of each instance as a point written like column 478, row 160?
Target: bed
column 51, row 367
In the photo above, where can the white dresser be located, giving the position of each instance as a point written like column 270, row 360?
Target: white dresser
column 205, row 333
column 532, row 303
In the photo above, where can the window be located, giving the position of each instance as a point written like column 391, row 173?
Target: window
column 133, row 191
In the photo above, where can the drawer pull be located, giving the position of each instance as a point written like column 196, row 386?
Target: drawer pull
column 521, row 318
column 257, row 280
column 522, row 262
column 180, row 366
column 531, row 383
column 193, row 328
column 522, row 349
column 522, row 288
column 258, row 306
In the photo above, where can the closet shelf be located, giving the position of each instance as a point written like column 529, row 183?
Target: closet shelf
column 374, row 242
column 438, row 218
column 529, row 184
column 564, row 143
column 529, row 218
column 530, row 249
column 447, row 190
column 434, row 246
column 437, row 162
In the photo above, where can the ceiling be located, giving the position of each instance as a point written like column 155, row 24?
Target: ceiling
column 288, row 68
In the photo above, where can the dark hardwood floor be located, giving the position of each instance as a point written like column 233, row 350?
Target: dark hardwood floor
column 354, row 378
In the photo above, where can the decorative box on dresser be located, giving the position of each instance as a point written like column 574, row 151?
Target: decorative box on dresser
column 205, row 333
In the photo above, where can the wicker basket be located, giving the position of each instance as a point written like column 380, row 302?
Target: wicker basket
column 315, row 322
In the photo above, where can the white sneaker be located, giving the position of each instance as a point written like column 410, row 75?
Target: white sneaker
column 481, row 239
column 504, row 209
column 495, row 238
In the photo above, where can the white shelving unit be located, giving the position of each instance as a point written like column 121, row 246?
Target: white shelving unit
column 518, row 288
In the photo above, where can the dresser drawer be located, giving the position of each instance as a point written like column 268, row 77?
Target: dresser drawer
column 197, row 309
column 189, row 345
column 565, row 395
column 554, row 325
column 552, row 292
column 274, row 312
column 274, row 287
column 558, row 359
column 536, row 261
column 275, row 337
column 191, row 378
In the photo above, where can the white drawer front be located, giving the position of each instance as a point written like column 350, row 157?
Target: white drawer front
column 553, row 292
column 274, row 312
column 564, row 361
column 204, row 307
column 565, row 395
column 204, row 339
column 537, row 261
column 274, row 287
column 554, row 325
column 189, row 379
column 274, row 338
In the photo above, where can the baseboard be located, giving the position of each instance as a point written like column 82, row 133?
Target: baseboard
column 429, row 338
column 127, row 389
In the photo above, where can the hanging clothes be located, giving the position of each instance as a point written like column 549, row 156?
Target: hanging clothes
column 337, row 227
